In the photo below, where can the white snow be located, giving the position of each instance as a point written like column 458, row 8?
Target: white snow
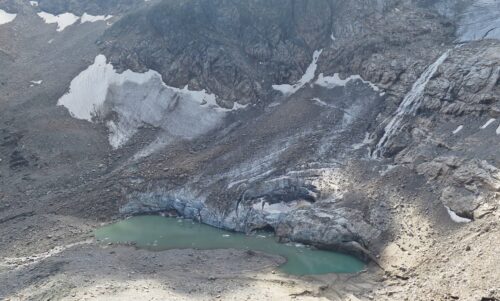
column 319, row 101
column 88, row 90
column 331, row 82
column 67, row 19
column 63, row 20
column 498, row 130
column 487, row 123
column 35, row 83
column 139, row 98
column 332, row 37
column 308, row 76
column 5, row 17
column 409, row 105
column 458, row 129
column 454, row 217
column 89, row 18
column 34, row 3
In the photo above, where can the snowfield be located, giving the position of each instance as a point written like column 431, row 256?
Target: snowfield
column 5, row 17
column 67, row 19
column 138, row 99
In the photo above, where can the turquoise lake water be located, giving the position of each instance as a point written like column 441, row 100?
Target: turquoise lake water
column 157, row 233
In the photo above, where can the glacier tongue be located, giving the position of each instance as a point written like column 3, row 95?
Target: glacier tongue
column 137, row 99
column 408, row 106
column 481, row 20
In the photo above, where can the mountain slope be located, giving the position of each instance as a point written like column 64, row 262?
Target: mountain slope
column 368, row 127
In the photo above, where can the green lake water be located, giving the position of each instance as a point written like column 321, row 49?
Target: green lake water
column 158, row 233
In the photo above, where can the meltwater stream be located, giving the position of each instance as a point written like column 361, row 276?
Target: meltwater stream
column 408, row 106
column 158, row 233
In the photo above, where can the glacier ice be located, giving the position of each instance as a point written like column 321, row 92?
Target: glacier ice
column 136, row 99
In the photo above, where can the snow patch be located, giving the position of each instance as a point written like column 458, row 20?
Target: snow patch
column 5, row 17
column 137, row 99
column 331, row 82
column 63, row 20
column 487, row 123
column 36, row 82
column 67, row 19
column 89, row 18
column 454, row 217
column 498, row 130
column 34, row 3
column 458, row 129
column 308, row 76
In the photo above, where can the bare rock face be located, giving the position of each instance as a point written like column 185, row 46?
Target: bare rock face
column 468, row 184
column 237, row 50
column 468, row 82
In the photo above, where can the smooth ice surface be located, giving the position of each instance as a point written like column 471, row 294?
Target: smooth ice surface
column 158, row 233
column 409, row 105
column 480, row 20
column 62, row 20
column 454, row 217
column 89, row 18
column 308, row 76
column 138, row 99
column 5, row 17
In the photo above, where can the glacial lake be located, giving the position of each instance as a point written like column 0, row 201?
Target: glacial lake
column 157, row 233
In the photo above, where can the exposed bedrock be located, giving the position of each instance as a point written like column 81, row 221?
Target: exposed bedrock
column 220, row 47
